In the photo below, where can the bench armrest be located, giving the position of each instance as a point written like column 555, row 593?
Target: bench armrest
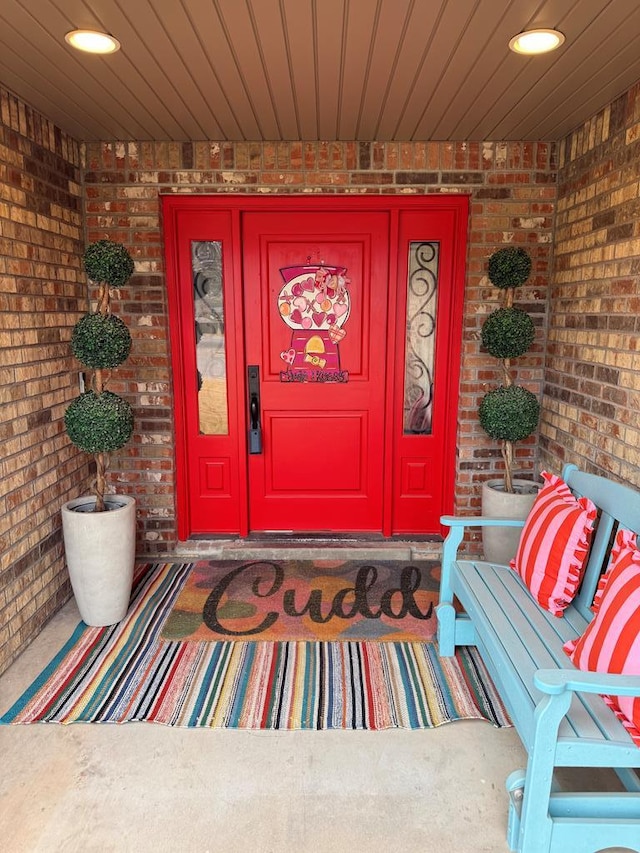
column 479, row 521
column 556, row 681
column 457, row 525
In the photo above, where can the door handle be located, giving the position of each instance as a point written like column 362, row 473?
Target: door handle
column 255, row 430
column 254, row 411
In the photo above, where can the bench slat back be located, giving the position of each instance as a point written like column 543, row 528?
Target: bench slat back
column 618, row 506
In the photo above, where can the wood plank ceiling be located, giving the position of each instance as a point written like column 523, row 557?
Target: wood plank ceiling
column 319, row 69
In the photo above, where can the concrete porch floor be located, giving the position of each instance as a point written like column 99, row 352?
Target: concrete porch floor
column 141, row 787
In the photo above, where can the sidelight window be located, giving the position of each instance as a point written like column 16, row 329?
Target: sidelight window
column 422, row 281
column 211, row 361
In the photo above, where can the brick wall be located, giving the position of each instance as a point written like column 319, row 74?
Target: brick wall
column 42, row 292
column 592, row 389
column 513, row 191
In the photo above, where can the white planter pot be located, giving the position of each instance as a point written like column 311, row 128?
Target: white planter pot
column 501, row 543
column 100, row 549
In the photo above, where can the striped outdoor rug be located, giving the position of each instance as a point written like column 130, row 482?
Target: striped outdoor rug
column 127, row 673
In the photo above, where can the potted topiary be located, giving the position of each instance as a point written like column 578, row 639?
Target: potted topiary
column 508, row 413
column 99, row 529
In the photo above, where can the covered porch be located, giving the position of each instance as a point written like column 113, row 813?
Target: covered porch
column 549, row 155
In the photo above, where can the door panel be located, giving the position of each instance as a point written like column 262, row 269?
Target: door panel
column 340, row 471
column 322, row 391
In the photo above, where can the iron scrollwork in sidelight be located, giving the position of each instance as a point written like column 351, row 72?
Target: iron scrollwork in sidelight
column 420, row 338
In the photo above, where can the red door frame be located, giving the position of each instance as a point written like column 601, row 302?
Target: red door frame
column 182, row 221
column 225, row 218
column 417, row 455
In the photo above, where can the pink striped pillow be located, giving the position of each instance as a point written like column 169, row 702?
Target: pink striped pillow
column 611, row 642
column 554, row 544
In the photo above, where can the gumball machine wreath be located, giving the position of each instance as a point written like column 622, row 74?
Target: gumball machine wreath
column 315, row 304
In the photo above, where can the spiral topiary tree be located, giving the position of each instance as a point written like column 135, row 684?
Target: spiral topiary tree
column 508, row 413
column 99, row 421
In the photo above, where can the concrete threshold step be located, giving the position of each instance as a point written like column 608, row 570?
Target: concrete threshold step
column 302, row 548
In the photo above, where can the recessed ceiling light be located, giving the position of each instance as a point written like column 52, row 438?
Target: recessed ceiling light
column 92, row 41
column 536, row 41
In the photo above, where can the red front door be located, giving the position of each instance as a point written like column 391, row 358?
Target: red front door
column 315, row 295
column 315, row 350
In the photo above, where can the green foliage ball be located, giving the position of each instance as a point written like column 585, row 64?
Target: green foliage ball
column 509, row 267
column 508, row 333
column 509, row 413
column 107, row 261
column 101, row 341
column 99, row 423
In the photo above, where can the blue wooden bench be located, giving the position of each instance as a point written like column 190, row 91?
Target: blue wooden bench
column 556, row 709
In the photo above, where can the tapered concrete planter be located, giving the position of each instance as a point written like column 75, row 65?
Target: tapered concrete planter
column 100, row 550
column 501, row 543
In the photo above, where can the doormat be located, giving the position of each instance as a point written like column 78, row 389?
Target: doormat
column 127, row 673
column 328, row 600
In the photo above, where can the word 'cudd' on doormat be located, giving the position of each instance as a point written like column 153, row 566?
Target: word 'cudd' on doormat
column 328, row 600
column 127, row 672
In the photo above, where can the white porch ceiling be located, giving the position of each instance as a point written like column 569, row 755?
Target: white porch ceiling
column 319, row 69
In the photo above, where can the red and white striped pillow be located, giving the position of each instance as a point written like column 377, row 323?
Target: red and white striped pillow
column 554, row 544
column 611, row 641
